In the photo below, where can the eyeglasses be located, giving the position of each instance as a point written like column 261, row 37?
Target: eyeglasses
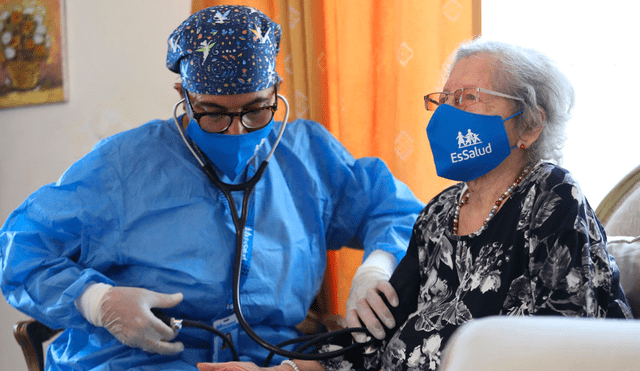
column 462, row 97
column 218, row 122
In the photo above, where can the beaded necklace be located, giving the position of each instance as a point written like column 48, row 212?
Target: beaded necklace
column 494, row 209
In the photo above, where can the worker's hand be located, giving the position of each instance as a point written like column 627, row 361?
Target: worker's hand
column 365, row 300
column 229, row 366
column 126, row 313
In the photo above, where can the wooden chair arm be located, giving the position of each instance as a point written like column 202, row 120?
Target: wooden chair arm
column 31, row 335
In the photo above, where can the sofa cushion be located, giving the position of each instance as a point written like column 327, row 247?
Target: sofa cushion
column 626, row 252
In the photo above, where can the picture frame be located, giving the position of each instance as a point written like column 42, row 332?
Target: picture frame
column 33, row 53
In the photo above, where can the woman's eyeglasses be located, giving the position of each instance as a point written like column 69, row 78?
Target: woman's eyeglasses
column 462, row 97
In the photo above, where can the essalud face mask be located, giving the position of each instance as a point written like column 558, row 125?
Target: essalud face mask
column 229, row 153
column 467, row 145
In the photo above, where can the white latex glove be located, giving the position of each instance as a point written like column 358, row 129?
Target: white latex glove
column 372, row 279
column 126, row 313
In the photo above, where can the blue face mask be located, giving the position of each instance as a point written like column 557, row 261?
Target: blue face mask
column 467, row 145
column 229, row 153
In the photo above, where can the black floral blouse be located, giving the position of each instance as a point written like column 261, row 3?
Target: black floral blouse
column 543, row 253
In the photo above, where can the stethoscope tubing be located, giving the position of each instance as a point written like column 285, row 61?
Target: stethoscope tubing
column 239, row 222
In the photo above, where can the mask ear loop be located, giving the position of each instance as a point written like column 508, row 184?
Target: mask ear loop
column 512, row 116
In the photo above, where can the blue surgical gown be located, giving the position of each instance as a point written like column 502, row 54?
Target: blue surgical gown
column 139, row 211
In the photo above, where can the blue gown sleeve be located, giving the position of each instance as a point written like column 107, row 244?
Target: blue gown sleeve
column 370, row 208
column 40, row 243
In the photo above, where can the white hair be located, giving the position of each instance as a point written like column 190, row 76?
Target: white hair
column 529, row 74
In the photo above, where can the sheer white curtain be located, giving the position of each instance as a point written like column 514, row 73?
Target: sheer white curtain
column 594, row 43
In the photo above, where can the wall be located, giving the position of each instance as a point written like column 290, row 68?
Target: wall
column 117, row 80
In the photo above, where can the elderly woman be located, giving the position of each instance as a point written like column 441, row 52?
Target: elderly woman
column 516, row 236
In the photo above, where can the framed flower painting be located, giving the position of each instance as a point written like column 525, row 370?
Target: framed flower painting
column 32, row 52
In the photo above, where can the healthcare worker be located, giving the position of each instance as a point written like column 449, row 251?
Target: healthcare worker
column 137, row 224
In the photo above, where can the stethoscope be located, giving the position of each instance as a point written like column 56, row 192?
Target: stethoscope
column 239, row 222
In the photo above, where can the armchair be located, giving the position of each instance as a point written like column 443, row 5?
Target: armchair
column 619, row 213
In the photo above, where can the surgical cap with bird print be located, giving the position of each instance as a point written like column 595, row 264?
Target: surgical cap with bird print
column 224, row 50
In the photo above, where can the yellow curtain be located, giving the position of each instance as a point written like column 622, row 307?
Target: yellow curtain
column 361, row 68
